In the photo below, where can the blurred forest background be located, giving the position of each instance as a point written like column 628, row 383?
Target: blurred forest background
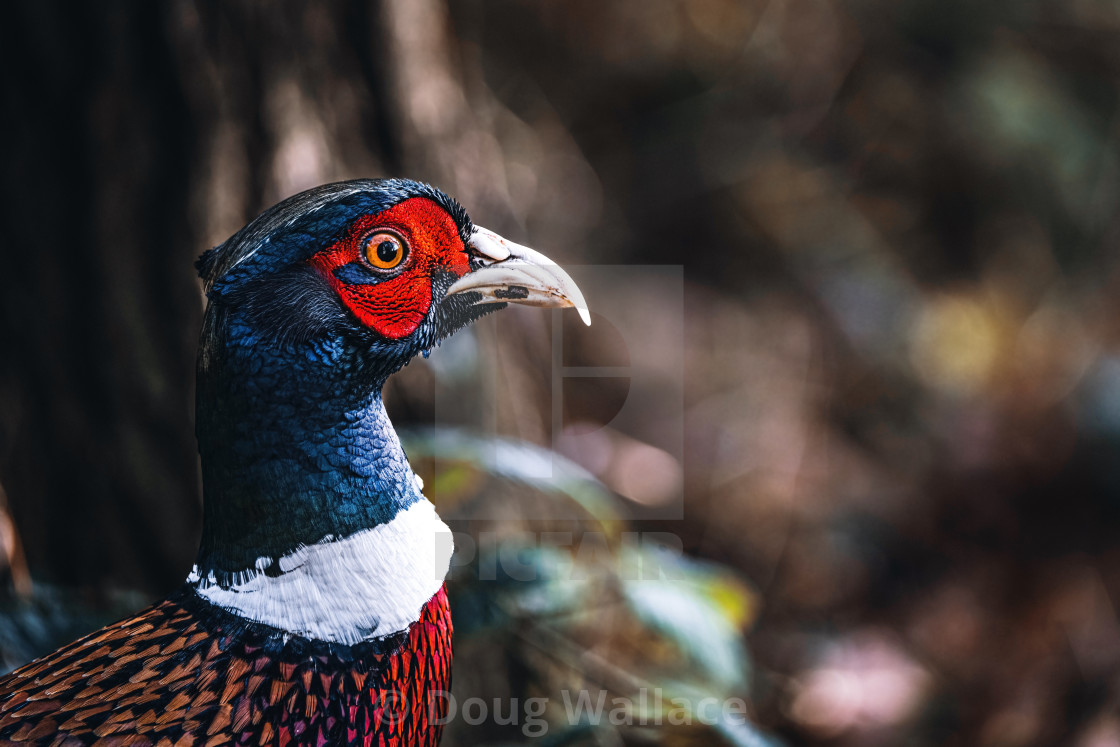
column 898, row 222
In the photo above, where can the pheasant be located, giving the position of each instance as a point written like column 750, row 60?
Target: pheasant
column 315, row 612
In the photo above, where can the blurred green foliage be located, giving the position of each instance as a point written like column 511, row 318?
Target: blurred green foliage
column 568, row 605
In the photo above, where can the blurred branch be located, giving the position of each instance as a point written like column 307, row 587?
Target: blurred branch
column 14, row 561
column 442, row 134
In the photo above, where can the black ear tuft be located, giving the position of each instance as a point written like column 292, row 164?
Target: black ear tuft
column 205, row 263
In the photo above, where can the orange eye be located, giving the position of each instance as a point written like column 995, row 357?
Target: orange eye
column 384, row 250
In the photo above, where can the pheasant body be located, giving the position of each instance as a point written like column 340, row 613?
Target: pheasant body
column 186, row 672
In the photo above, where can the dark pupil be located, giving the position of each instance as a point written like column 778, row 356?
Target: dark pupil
column 387, row 251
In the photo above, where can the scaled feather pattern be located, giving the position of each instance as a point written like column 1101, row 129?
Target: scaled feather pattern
column 183, row 672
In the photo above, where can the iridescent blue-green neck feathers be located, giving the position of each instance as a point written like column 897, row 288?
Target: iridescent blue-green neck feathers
column 296, row 447
column 295, row 443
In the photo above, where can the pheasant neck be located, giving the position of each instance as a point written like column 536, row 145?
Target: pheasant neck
column 314, row 523
column 297, row 449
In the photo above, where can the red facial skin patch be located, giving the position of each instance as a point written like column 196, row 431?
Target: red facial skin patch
column 397, row 305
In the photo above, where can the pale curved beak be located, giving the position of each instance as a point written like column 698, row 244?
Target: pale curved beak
column 512, row 273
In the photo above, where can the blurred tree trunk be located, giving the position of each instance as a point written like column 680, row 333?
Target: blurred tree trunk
column 139, row 134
